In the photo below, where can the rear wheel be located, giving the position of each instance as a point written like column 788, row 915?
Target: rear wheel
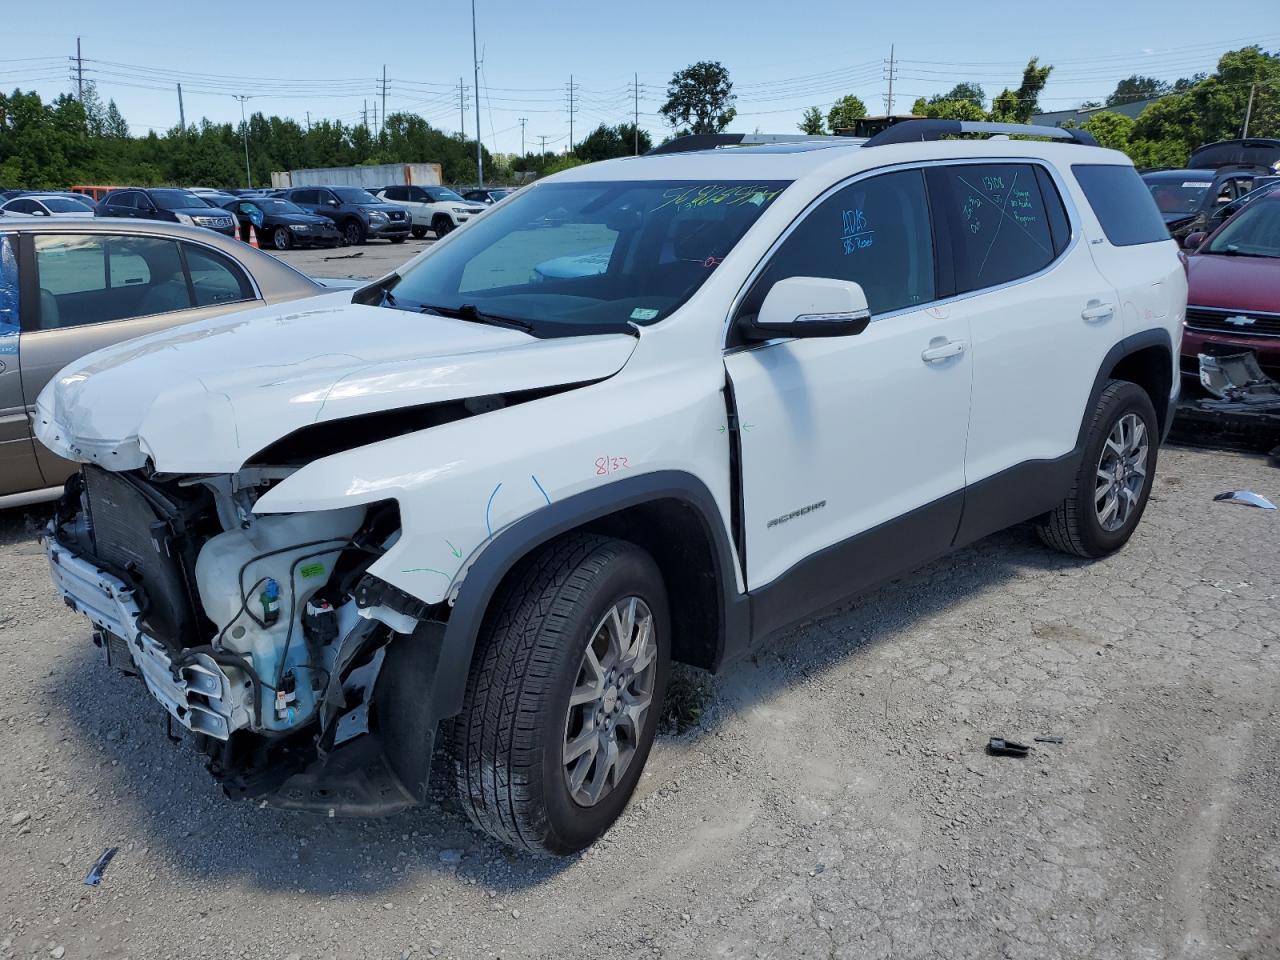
column 353, row 232
column 562, row 702
column 398, row 239
column 1113, row 484
column 440, row 226
column 280, row 238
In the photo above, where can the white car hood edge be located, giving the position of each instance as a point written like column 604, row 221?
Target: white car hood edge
column 205, row 397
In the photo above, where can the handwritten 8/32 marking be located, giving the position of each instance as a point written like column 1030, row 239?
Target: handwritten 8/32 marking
column 608, row 465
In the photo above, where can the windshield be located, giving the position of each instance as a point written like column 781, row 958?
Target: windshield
column 1181, row 195
column 572, row 258
column 176, row 200
column 442, row 193
column 1255, row 232
column 66, row 205
column 355, row 195
column 273, row 205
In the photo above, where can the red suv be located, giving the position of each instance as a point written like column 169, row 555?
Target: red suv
column 1233, row 293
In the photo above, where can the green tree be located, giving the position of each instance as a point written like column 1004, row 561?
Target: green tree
column 937, row 108
column 1017, row 106
column 1110, row 129
column 606, row 142
column 1137, row 88
column 812, row 122
column 701, row 98
column 844, row 113
column 114, row 124
column 971, row 92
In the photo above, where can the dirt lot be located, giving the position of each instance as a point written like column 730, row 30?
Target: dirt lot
column 835, row 800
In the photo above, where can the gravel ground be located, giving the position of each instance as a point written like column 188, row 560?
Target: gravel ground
column 373, row 259
column 835, row 800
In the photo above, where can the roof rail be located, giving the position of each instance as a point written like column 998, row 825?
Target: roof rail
column 910, row 131
column 709, row 141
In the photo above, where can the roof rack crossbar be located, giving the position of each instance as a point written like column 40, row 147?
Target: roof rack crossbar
column 911, row 131
column 709, row 141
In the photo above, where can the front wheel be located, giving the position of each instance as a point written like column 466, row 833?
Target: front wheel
column 562, row 702
column 419, row 232
column 280, row 238
column 1111, row 488
column 440, row 226
column 353, row 233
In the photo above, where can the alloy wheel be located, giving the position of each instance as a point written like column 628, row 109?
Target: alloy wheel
column 1121, row 473
column 610, row 701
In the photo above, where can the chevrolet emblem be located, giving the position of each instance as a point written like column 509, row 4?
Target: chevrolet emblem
column 1240, row 320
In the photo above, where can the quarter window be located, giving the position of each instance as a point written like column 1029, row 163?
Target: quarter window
column 214, row 278
column 875, row 232
column 1122, row 203
column 999, row 226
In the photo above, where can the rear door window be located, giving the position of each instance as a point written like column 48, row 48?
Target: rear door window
column 1122, row 203
column 86, row 279
column 997, row 219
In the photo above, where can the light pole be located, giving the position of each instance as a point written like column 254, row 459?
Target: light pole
column 475, row 63
column 244, row 127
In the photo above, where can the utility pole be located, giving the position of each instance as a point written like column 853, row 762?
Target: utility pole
column 364, row 114
column 375, row 118
column 543, row 138
column 182, row 116
column 462, row 109
column 384, row 97
column 572, row 110
column 1248, row 112
column 308, row 121
column 244, row 126
column 637, row 119
column 891, row 74
column 523, row 121
column 475, row 63
column 79, row 61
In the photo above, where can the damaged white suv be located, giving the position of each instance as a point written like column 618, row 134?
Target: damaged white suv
column 480, row 503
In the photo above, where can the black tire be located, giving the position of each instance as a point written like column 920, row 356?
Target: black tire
column 419, row 232
column 353, row 232
column 509, row 739
column 1074, row 525
column 281, row 239
column 399, row 239
column 440, row 226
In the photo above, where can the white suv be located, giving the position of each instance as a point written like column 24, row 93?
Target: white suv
column 437, row 209
column 474, row 502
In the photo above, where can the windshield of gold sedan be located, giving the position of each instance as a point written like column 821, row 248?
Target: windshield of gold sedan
column 561, row 259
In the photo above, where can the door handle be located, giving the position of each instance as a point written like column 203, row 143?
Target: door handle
column 1097, row 312
column 943, row 351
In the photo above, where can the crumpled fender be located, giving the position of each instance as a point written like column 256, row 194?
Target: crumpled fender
column 460, row 484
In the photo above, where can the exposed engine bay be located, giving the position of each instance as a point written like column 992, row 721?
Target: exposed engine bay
column 262, row 635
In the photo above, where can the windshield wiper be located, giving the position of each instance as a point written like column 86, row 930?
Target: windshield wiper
column 473, row 314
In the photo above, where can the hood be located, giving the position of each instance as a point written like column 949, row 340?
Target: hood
column 383, row 206
column 1233, row 283
column 206, row 396
column 307, row 218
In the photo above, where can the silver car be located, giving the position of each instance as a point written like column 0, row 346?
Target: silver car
column 70, row 286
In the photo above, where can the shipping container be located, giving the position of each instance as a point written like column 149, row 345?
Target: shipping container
column 371, row 178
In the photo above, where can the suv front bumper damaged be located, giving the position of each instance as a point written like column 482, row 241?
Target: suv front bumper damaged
column 196, row 692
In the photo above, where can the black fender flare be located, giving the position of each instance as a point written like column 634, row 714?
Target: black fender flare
column 496, row 560
column 1154, row 337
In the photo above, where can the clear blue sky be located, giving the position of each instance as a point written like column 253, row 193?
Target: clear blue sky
column 326, row 56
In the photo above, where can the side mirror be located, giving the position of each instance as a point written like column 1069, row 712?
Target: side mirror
column 810, row 307
column 1193, row 240
column 40, row 213
column 331, row 202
